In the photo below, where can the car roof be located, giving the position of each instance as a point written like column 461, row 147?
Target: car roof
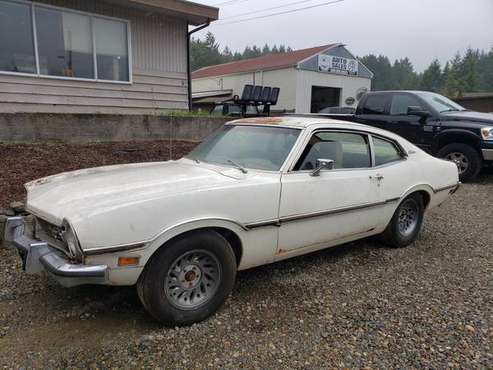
column 303, row 122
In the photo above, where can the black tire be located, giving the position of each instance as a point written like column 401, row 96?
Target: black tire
column 394, row 236
column 162, row 301
column 471, row 155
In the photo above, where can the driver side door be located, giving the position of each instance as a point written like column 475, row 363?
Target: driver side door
column 337, row 205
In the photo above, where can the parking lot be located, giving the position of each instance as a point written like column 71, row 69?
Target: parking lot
column 356, row 306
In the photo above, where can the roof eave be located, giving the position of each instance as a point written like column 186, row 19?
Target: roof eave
column 195, row 14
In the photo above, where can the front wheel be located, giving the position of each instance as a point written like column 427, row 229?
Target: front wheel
column 466, row 158
column 188, row 280
column 406, row 223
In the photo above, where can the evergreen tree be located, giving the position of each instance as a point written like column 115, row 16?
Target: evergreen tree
column 469, row 70
column 431, row 79
column 455, row 85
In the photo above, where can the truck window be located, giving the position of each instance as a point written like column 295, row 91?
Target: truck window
column 401, row 102
column 375, row 104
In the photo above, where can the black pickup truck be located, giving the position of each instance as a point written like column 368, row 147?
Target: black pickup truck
column 434, row 123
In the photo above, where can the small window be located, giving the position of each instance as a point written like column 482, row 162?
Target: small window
column 375, row 104
column 401, row 103
column 16, row 38
column 385, row 151
column 347, row 150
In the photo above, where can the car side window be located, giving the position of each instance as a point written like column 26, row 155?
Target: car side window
column 375, row 104
column 401, row 102
column 385, row 151
column 347, row 150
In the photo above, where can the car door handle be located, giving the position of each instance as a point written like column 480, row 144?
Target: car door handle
column 378, row 177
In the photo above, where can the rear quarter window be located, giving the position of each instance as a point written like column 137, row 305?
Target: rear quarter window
column 385, row 151
column 375, row 104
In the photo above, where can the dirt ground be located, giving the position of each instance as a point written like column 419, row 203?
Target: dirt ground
column 360, row 305
column 20, row 163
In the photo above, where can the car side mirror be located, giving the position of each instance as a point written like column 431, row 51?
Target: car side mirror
column 418, row 111
column 327, row 164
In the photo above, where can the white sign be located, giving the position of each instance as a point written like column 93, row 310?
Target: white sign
column 333, row 64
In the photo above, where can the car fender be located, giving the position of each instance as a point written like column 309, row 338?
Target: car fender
column 465, row 136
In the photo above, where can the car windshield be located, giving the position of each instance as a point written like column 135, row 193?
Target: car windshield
column 256, row 147
column 441, row 103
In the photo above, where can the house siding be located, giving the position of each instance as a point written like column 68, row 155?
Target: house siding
column 159, row 60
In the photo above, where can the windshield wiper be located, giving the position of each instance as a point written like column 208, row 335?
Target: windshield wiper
column 238, row 166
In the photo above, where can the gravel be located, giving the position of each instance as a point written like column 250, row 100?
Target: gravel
column 360, row 305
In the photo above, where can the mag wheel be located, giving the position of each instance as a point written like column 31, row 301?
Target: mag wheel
column 466, row 158
column 406, row 223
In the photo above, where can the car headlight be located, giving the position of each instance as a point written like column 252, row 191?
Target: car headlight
column 72, row 242
column 487, row 133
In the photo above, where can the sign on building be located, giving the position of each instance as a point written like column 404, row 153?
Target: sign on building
column 333, row 64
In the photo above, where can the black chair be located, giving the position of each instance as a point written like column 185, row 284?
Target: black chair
column 247, row 94
column 274, row 96
column 257, row 92
column 265, row 97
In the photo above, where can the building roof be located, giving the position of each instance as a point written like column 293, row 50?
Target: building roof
column 266, row 62
column 194, row 13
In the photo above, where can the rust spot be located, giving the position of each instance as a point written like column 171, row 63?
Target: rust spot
column 262, row 120
column 281, row 251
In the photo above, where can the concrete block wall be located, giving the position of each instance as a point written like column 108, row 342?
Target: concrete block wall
column 84, row 128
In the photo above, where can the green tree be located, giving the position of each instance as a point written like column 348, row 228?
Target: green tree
column 469, row 70
column 455, row 84
column 432, row 78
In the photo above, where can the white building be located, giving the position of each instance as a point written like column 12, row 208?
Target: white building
column 309, row 79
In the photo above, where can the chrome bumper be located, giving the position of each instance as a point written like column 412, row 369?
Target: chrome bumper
column 38, row 256
column 488, row 154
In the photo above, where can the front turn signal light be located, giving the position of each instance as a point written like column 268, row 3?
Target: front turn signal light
column 128, row 261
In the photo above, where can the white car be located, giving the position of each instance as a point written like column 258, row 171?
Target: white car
column 258, row 191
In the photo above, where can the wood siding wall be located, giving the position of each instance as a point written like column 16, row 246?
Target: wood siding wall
column 159, row 72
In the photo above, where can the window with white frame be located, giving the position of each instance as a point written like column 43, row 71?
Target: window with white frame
column 48, row 41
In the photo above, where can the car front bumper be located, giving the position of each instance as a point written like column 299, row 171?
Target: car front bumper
column 488, row 154
column 38, row 256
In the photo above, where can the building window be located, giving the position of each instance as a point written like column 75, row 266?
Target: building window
column 111, row 49
column 63, row 43
column 16, row 38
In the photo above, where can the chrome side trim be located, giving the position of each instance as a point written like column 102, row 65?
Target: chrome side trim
column 303, row 216
column 119, row 248
column 449, row 187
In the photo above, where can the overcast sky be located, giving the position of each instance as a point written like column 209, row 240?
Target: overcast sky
column 420, row 29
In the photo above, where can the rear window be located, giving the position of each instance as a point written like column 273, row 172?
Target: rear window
column 375, row 104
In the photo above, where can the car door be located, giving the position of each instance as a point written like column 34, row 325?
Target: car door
column 373, row 110
column 338, row 204
column 407, row 125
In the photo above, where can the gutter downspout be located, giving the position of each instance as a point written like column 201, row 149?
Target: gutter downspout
column 189, row 67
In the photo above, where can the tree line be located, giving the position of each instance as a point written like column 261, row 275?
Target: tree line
column 471, row 71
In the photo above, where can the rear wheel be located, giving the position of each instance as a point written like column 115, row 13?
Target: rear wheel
column 189, row 279
column 466, row 158
column 406, row 223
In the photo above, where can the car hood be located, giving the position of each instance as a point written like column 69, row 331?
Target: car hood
column 471, row 116
column 71, row 195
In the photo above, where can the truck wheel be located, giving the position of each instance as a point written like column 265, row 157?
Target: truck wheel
column 465, row 157
column 189, row 279
column 406, row 223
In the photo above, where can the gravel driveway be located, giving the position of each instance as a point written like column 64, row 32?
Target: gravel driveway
column 356, row 306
